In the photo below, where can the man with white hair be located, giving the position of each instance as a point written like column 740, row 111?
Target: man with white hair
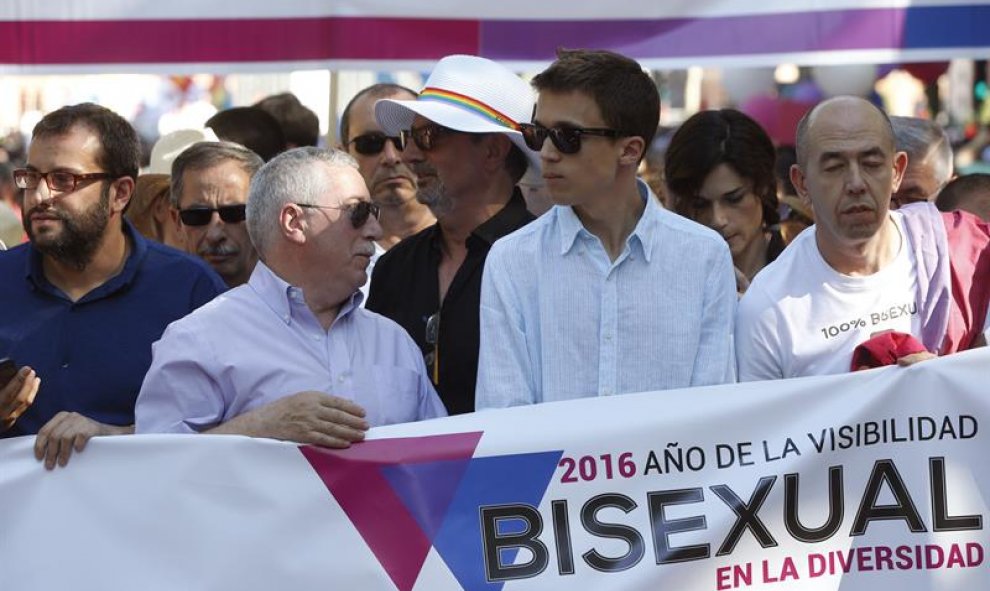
column 291, row 355
column 929, row 160
column 462, row 139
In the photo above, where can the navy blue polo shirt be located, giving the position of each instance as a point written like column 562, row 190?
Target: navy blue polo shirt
column 92, row 354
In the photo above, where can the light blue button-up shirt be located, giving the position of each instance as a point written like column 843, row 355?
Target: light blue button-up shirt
column 560, row 320
column 260, row 342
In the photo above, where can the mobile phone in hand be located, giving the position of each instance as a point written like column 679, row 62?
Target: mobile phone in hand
column 8, row 369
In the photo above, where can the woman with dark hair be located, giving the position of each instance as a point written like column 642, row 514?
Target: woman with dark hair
column 720, row 173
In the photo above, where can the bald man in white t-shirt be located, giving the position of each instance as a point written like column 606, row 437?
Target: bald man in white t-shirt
column 856, row 273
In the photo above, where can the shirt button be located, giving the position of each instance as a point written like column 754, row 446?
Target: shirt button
column 608, row 337
column 65, row 365
column 341, row 378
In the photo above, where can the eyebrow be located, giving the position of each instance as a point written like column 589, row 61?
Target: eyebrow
column 559, row 123
column 874, row 151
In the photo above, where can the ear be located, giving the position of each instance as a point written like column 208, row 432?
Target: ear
column 798, row 180
column 121, row 190
column 292, row 223
column 631, row 151
column 900, row 165
column 497, row 148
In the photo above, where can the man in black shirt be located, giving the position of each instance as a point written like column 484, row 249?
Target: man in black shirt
column 461, row 138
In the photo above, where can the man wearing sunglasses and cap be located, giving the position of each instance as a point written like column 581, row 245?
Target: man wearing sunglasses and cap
column 86, row 297
column 607, row 293
column 209, row 187
column 291, row 355
column 461, row 138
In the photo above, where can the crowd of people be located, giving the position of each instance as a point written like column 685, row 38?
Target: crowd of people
column 256, row 284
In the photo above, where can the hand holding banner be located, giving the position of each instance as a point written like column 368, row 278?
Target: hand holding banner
column 859, row 481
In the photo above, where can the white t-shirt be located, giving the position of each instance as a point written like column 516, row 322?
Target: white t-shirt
column 801, row 317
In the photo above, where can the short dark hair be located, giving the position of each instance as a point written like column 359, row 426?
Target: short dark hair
column 626, row 95
column 380, row 90
column 203, row 155
column 300, row 126
column 120, row 148
column 710, row 138
column 250, row 127
column 962, row 189
column 801, row 137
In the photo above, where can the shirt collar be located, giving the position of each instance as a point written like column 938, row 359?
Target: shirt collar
column 509, row 219
column 643, row 234
column 278, row 294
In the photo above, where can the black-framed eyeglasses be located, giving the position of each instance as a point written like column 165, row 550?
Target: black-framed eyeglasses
column 372, row 143
column 358, row 211
column 566, row 139
column 432, row 338
column 61, row 181
column 424, row 136
column 200, row 216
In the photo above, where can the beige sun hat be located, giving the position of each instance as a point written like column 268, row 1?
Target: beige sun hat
column 470, row 94
column 169, row 146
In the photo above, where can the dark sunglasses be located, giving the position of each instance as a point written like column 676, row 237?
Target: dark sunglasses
column 359, row 211
column 371, row 144
column 425, row 136
column 200, row 216
column 566, row 139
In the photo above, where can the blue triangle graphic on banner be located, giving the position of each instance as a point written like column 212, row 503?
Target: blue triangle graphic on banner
column 497, row 480
column 427, row 490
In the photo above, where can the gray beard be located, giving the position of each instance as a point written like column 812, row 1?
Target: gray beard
column 434, row 196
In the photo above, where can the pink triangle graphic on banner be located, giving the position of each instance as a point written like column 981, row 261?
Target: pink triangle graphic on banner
column 359, row 479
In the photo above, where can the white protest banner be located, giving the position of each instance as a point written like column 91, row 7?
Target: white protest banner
column 877, row 480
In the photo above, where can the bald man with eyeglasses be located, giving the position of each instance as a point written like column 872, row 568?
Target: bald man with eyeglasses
column 291, row 354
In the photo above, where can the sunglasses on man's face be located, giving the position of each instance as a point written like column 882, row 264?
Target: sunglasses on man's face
column 425, row 136
column 567, row 140
column 372, row 143
column 358, row 211
column 200, row 216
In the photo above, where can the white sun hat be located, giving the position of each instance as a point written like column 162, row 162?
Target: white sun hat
column 169, row 146
column 470, row 94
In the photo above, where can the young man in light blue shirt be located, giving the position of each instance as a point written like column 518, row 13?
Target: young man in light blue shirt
column 607, row 293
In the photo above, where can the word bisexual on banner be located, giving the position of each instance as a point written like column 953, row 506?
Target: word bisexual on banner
column 508, row 528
